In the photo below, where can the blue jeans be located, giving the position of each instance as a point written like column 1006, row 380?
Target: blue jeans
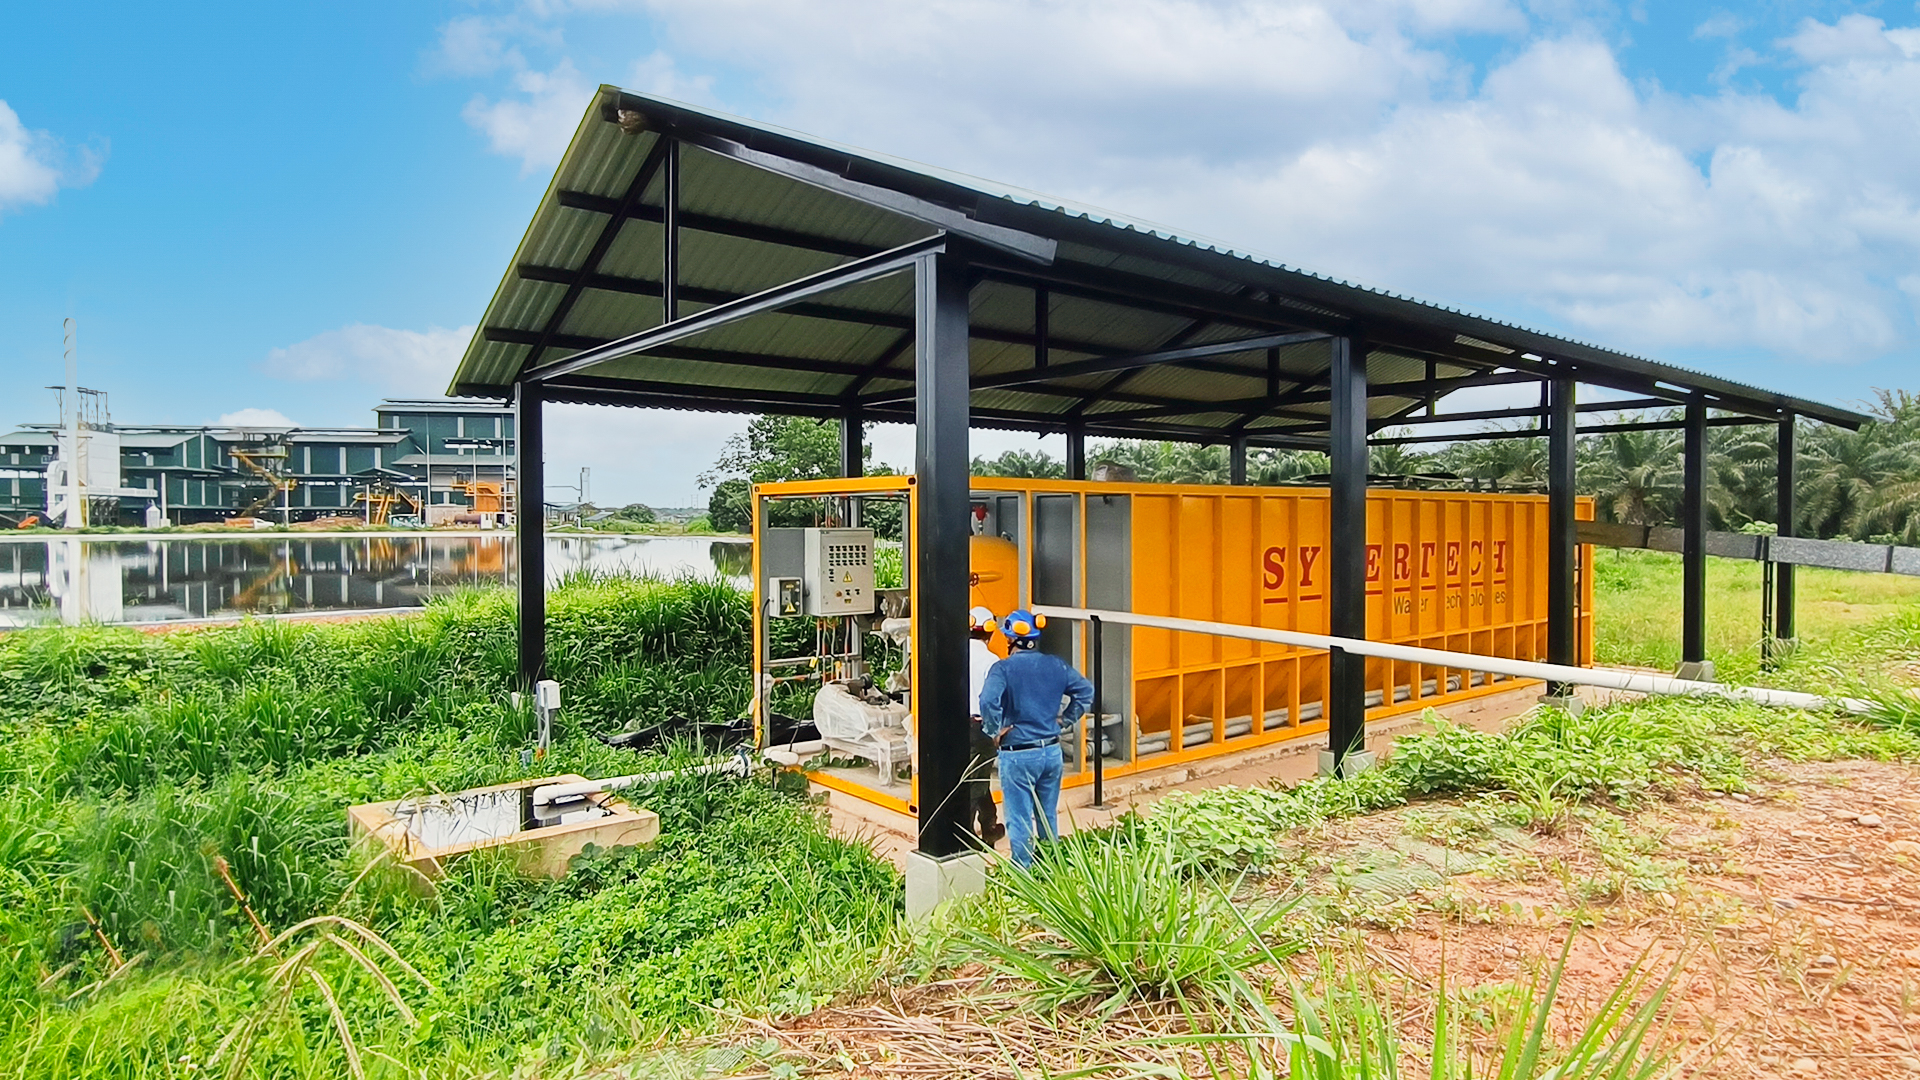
column 1030, row 789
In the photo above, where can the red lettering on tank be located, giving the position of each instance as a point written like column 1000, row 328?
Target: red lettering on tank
column 1373, row 562
column 1308, row 556
column 1275, row 562
column 1473, row 552
column 1453, row 558
column 1402, row 561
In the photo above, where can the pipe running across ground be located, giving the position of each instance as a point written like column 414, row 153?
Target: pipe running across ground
column 1607, row 678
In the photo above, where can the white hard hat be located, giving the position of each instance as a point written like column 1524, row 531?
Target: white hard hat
column 980, row 618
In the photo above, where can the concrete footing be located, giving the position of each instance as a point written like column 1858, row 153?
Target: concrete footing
column 1697, row 671
column 1571, row 704
column 1356, row 761
column 932, row 881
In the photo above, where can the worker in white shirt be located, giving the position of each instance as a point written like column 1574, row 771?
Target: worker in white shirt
column 978, row 810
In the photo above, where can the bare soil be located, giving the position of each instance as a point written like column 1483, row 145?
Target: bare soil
column 1794, row 921
column 1791, row 926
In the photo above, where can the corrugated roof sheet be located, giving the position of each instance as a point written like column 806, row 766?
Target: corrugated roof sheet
column 746, row 228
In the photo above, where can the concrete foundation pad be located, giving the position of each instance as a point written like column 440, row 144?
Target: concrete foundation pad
column 931, row 881
column 1571, row 704
column 491, row 817
column 1357, row 761
column 1696, row 671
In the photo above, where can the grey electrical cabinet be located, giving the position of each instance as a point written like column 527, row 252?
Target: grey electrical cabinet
column 839, row 571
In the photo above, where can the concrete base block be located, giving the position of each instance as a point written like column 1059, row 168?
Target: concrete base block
column 1571, row 704
column 1697, row 671
column 1357, row 761
column 932, row 881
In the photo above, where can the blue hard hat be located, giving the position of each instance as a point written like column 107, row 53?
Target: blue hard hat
column 1022, row 625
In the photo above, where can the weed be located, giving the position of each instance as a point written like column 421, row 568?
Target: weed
column 1111, row 919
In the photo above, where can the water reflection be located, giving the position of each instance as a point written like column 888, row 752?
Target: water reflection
column 69, row 579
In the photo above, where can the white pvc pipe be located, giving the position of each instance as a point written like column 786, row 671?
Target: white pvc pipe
column 553, row 793
column 1525, row 669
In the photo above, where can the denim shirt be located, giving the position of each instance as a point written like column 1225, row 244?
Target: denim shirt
column 1022, row 697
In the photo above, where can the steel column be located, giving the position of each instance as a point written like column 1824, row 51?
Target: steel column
column 1693, row 522
column 853, row 444
column 941, row 461
column 1237, row 461
column 529, row 523
column 1785, row 510
column 1347, row 561
column 1076, row 453
column 1562, row 430
column 1042, row 303
column 670, row 248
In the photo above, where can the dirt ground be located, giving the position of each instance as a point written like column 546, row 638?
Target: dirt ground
column 1792, row 910
column 1789, row 914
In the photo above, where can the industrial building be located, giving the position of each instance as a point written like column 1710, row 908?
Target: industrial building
column 687, row 259
column 435, row 459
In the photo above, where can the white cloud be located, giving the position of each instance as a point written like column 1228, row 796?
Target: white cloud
column 1548, row 187
column 33, row 164
column 1721, row 24
column 255, row 418
column 397, row 362
column 537, row 125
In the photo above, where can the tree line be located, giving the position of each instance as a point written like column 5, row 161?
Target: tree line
column 1860, row 485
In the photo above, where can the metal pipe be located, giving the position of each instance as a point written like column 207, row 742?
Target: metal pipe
column 1611, row 679
column 547, row 794
column 1099, row 719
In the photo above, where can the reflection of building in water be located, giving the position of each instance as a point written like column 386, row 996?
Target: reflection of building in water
column 455, row 457
column 75, row 579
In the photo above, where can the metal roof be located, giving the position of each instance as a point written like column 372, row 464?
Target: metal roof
column 760, row 207
column 398, row 405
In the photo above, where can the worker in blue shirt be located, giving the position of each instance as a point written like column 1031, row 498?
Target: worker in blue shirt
column 1020, row 711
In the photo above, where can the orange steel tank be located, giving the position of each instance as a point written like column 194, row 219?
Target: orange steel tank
column 1463, row 572
column 994, row 579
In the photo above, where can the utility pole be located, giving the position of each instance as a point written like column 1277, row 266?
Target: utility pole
column 76, row 516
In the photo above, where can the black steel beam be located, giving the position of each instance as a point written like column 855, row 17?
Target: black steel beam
column 1237, row 461
column 1784, row 510
column 530, row 540
column 718, row 226
column 1106, row 364
column 940, row 536
column 1042, row 305
column 1347, row 559
column 670, row 234
column 1693, row 521
column 1014, row 242
column 617, row 216
column 1562, row 542
column 893, row 261
column 1591, row 429
column 1076, row 453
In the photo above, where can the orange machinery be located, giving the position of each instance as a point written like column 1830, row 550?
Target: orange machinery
column 1458, row 571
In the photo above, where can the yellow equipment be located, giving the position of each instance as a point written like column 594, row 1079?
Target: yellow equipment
column 381, row 501
column 487, row 496
column 268, row 462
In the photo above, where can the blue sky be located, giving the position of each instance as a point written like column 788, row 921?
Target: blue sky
column 303, row 208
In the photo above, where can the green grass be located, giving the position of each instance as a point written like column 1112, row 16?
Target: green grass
column 1637, row 608
column 138, row 761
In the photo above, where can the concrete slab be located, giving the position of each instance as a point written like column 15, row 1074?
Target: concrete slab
column 427, row 832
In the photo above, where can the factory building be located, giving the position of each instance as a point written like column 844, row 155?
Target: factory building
column 440, row 460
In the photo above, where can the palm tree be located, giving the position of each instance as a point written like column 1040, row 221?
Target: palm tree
column 1633, row 476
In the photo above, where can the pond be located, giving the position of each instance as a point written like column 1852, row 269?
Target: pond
column 181, row 578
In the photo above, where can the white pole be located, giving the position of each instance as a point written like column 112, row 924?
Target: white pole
column 76, row 516
column 1523, row 669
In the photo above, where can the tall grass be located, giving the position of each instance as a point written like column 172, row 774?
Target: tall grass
column 138, row 762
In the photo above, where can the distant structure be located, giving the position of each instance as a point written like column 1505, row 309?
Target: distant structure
column 436, row 460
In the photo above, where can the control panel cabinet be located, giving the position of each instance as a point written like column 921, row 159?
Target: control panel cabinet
column 839, row 572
